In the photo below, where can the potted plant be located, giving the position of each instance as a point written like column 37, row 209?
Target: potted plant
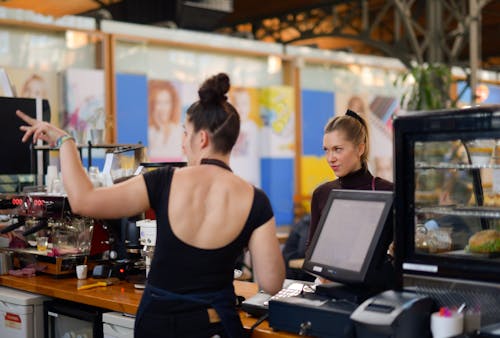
column 428, row 87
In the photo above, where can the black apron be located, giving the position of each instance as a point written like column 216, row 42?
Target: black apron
column 223, row 301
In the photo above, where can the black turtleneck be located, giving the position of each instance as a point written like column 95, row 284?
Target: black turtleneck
column 360, row 179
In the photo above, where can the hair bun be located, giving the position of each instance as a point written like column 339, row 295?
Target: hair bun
column 214, row 89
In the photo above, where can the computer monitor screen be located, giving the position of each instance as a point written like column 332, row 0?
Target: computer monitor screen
column 16, row 155
column 351, row 237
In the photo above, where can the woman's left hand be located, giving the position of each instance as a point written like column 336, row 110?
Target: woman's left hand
column 40, row 130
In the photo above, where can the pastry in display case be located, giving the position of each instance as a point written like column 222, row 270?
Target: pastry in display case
column 447, row 200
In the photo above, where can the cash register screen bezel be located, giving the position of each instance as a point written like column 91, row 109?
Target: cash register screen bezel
column 372, row 245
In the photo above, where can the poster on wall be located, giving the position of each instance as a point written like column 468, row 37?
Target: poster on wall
column 131, row 108
column 84, row 99
column 164, row 121
column 317, row 109
column 277, row 137
column 485, row 94
column 30, row 83
column 276, row 105
column 245, row 157
column 84, row 108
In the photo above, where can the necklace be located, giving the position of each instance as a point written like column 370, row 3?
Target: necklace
column 213, row 161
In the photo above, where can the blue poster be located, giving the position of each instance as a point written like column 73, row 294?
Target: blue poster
column 317, row 108
column 277, row 177
column 131, row 109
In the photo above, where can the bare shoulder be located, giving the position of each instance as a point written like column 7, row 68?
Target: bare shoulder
column 209, row 175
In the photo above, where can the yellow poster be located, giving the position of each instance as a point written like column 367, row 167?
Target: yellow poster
column 277, row 112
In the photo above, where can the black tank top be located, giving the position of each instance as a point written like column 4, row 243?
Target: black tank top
column 180, row 267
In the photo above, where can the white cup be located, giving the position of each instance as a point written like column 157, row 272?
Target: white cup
column 81, row 271
column 447, row 326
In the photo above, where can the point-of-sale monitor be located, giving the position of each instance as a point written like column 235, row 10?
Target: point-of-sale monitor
column 352, row 238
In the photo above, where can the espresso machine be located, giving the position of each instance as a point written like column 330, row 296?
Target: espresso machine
column 69, row 239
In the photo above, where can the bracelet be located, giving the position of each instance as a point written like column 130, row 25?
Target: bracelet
column 63, row 139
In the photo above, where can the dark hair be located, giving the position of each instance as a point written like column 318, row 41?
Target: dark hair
column 213, row 113
column 355, row 129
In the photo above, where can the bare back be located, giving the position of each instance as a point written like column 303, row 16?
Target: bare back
column 208, row 205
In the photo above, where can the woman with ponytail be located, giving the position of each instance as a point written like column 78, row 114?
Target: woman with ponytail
column 205, row 217
column 346, row 145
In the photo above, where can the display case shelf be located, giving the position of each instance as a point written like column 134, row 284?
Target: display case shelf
column 470, row 211
column 459, row 166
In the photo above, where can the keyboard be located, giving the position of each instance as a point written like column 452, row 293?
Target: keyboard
column 258, row 305
column 293, row 289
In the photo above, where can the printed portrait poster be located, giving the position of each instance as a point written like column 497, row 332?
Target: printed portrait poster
column 84, row 108
column 377, row 110
column 84, row 99
column 485, row 94
column 164, row 121
column 32, row 83
column 277, row 112
column 245, row 157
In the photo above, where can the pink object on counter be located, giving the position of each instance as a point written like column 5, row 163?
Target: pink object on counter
column 25, row 272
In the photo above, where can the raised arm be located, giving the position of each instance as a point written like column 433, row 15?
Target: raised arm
column 267, row 260
column 121, row 200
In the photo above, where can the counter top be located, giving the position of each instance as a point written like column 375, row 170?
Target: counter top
column 121, row 296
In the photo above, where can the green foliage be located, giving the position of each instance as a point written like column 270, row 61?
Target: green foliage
column 428, row 87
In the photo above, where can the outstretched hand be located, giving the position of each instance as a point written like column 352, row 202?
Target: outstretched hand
column 40, row 130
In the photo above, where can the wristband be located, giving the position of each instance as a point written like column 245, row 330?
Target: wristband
column 63, row 139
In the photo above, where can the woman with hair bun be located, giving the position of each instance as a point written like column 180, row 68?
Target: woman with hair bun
column 205, row 214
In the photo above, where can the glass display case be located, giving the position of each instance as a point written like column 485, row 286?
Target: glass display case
column 447, row 198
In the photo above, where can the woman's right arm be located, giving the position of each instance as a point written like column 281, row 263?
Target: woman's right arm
column 267, row 260
column 120, row 200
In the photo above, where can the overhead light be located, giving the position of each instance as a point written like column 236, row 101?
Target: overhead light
column 273, row 64
column 76, row 39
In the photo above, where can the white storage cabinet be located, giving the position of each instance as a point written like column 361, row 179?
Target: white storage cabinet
column 117, row 325
column 21, row 314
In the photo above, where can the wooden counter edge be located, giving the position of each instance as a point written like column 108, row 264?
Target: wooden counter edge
column 121, row 297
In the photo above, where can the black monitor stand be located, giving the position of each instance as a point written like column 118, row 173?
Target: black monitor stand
column 353, row 294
